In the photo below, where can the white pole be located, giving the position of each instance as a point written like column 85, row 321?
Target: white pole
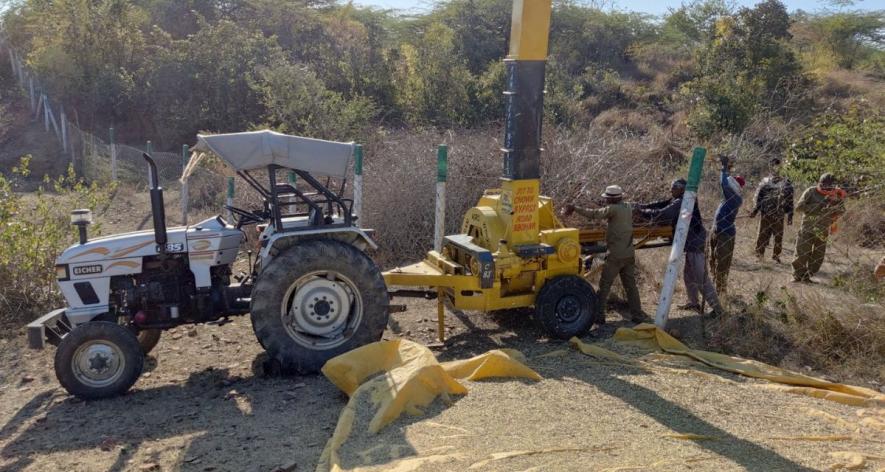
column 64, row 130
column 53, row 122
column 33, row 99
column 37, row 109
column 184, row 190
column 113, row 156
column 439, row 224
column 45, row 112
column 680, row 234
column 358, row 183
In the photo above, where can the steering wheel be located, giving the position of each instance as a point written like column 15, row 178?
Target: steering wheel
column 245, row 217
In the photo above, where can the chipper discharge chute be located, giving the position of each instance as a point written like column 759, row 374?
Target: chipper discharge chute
column 513, row 251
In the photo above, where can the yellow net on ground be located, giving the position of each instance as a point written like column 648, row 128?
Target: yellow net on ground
column 403, row 376
column 650, row 337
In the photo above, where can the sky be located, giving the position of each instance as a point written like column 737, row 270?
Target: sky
column 646, row 6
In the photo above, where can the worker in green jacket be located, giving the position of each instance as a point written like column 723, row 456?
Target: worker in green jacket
column 820, row 206
column 620, row 259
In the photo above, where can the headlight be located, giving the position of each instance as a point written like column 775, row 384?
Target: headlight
column 61, row 272
column 81, row 217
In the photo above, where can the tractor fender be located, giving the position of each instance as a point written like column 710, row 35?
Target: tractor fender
column 355, row 236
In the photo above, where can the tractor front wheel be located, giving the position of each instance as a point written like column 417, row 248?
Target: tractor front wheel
column 316, row 300
column 98, row 359
column 565, row 307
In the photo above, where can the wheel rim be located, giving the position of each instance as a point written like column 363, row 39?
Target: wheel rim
column 321, row 310
column 568, row 309
column 98, row 363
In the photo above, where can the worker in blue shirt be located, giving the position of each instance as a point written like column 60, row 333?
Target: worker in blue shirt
column 722, row 240
column 695, row 274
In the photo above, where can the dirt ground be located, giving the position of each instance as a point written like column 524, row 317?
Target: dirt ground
column 204, row 404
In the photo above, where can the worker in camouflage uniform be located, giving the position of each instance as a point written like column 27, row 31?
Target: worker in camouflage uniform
column 774, row 199
column 820, row 206
column 620, row 259
column 724, row 231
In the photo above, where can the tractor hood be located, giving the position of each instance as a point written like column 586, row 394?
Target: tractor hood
column 142, row 243
column 135, row 244
column 259, row 149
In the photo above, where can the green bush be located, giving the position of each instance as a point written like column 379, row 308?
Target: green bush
column 32, row 234
column 849, row 145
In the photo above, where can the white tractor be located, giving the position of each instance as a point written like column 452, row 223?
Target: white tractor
column 312, row 292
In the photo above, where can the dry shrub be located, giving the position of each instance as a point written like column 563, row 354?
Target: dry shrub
column 847, row 84
column 864, row 223
column 806, row 330
column 632, row 122
column 400, row 182
column 400, row 176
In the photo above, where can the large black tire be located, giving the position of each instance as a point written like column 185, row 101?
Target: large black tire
column 98, row 359
column 148, row 339
column 565, row 307
column 275, row 295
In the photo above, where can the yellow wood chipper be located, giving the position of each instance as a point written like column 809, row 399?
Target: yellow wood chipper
column 513, row 251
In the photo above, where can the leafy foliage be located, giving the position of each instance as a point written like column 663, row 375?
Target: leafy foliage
column 32, row 234
column 849, row 145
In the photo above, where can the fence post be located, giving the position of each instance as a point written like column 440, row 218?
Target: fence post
column 64, row 130
column 113, row 155
column 230, row 197
column 680, row 234
column 31, row 94
column 184, row 195
column 439, row 226
column 358, row 182
column 149, row 149
column 37, row 109
column 46, row 112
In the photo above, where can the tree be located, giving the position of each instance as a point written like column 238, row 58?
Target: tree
column 298, row 102
column 432, row 82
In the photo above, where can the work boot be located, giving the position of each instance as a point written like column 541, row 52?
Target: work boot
column 690, row 307
column 641, row 317
column 715, row 313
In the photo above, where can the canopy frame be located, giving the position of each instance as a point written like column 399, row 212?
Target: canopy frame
column 275, row 195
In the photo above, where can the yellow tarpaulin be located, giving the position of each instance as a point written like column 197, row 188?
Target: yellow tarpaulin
column 403, row 376
column 649, row 336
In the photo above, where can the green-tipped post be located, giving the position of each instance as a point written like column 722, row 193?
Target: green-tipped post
column 442, row 173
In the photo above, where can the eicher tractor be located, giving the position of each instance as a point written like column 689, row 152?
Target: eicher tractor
column 312, row 292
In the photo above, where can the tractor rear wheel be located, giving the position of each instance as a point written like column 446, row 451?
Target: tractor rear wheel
column 565, row 307
column 316, row 300
column 98, row 359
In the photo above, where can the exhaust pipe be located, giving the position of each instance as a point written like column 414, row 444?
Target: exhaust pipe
column 158, row 210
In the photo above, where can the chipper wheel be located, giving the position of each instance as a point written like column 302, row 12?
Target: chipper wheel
column 98, row 359
column 316, row 300
column 565, row 307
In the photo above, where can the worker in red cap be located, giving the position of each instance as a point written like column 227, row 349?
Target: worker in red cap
column 722, row 240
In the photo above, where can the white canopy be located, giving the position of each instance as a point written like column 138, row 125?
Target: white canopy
column 259, row 149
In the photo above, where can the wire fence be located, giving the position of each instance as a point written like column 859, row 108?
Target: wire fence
column 94, row 158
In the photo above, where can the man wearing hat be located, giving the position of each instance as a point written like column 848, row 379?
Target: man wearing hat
column 620, row 259
column 695, row 270
column 722, row 240
column 774, row 200
column 820, row 206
